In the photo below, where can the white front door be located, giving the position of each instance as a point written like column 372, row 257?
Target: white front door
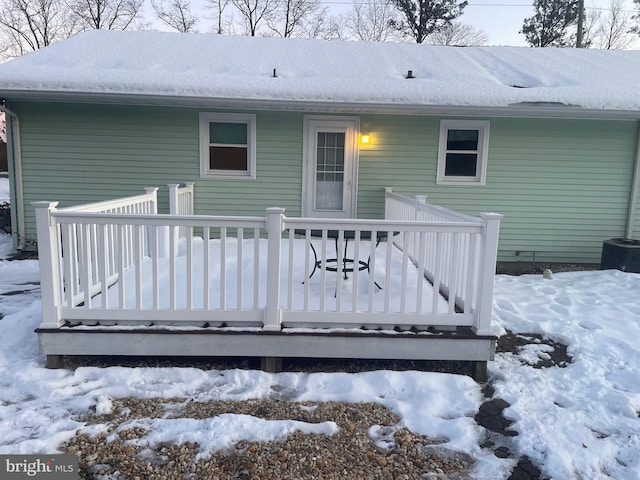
column 330, row 167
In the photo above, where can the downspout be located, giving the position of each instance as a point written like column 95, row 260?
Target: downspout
column 635, row 188
column 17, row 174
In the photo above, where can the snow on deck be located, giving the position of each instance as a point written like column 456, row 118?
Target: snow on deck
column 392, row 286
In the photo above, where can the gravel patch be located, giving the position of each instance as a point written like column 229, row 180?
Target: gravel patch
column 351, row 453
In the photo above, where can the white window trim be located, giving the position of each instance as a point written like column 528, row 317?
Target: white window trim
column 483, row 151
column 250, row 121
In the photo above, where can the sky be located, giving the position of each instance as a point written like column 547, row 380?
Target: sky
column 574, row 419
column 501, row 20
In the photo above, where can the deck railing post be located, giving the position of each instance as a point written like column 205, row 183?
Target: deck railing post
column 418, row 215
column 153, row 191
column 189, row 207
column 153, row 210
column 275, row 226
column 387, row 203
column 173, row 198
column 173, row 210
column 181, row 202
column 49, row 258
column 486, row 277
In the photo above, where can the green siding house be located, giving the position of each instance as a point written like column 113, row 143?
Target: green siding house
column 547, row 137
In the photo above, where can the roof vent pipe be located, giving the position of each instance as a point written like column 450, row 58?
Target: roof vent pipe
column 410, row 74
column 274, row 74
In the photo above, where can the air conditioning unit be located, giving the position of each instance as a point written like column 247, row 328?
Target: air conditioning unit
column 621, row 254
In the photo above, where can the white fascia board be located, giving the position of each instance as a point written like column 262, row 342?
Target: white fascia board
column 529, row 110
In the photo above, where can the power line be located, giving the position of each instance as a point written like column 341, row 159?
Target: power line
column 349, row 2
column 491, row 5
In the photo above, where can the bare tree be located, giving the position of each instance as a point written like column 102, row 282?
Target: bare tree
column 610, row 30
column 290, row 16
column 324, row 25
column 32, row 24
column 459, row 35
column 176, row 14
column 254, row 12
column 222, row 24
column 590, row 25
column 636, row 17
column 4, row 46
column 106, row 14
column 334, row 28
column 372, row 20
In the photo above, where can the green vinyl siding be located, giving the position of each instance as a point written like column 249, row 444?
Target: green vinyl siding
column 562, row 185
column 76, row 154
column 403, row 154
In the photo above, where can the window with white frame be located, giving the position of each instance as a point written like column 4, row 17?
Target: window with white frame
column 228, row 145
column 463, row 151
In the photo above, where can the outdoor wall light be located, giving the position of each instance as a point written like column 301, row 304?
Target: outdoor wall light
column 364, row 138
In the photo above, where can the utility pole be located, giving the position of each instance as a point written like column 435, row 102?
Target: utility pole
column 580, row 23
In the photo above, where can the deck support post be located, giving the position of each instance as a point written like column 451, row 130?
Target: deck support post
column 489, row 255
column 479, row 371
column 271, row 364
column 49, row 258
column 272, row 312
column 54, row 361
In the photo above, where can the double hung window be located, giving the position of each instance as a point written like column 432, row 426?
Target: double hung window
column 463, row 150
column 227, row 145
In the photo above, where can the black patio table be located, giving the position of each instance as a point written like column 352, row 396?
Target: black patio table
column 348, row 264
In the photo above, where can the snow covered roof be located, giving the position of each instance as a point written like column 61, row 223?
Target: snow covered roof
column 214, row 70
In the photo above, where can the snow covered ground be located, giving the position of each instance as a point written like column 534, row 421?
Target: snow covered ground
column 581, row 421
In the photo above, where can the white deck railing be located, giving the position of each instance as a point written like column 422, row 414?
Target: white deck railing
column 461, row 265
column 132, row 269
column 181, row 201
column 87, row 264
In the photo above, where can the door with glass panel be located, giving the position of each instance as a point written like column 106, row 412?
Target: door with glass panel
column 330, row 167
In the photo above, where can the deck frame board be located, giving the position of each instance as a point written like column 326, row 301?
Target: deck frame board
column 222, row 343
